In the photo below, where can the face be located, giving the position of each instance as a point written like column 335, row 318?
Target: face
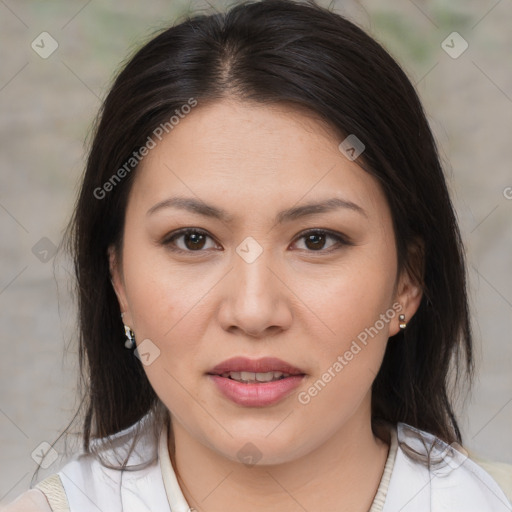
column 317, row 288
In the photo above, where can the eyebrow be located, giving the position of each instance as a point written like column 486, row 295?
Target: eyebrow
column 200, row 207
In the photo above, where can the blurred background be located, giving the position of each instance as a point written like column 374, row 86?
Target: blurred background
column 57, row 61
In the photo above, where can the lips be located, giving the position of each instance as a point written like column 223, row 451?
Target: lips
column 262, row 365
column 246, row 381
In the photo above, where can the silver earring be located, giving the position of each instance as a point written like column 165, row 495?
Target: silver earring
column 130, row 338
column 403, row 325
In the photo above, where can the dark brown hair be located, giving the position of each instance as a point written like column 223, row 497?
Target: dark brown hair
column 276, row 51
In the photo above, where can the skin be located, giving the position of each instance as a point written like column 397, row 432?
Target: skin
column 302, row 304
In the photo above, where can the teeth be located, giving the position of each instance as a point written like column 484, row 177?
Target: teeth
column 255, row 377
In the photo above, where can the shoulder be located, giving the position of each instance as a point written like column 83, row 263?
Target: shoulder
column 32, row 500
column 500, row 471
column 430, row 474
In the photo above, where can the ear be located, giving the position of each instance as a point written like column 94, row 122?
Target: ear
column 117, row 280
column 409, row 289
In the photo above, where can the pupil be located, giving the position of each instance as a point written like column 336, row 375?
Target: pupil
column 196, row 240
column 315, row 245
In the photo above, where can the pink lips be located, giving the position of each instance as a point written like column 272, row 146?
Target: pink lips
column 262, row 365
column 257, row 394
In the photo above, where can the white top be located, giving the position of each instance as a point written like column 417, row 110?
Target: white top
column 456, row 484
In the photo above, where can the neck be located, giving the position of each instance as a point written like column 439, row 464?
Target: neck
column 343, row 474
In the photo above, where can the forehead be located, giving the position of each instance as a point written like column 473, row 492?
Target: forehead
column 253, row 154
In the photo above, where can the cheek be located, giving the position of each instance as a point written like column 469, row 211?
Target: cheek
column 161, row 295
column 348, row 361
column 349, row 299
column 174, row 329
column 166, row 308
column 354, row 316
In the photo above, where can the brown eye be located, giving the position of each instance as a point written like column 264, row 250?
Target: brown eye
column 316, row 240
column 193, row 240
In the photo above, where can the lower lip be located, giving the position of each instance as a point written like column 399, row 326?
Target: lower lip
column 256, row 394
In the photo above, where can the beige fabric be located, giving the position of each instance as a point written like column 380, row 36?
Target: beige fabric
column 55, row 494
column 500, row 471
column 380, row 496
column 32, row 500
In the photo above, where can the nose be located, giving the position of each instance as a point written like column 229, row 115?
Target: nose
column 256, row 300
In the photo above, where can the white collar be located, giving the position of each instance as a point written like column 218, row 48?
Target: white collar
column 458, row 485
column 175, row 496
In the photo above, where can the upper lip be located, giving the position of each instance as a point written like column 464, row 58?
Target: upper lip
column 262, row 365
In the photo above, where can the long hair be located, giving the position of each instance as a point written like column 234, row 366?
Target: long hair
column 270, row 52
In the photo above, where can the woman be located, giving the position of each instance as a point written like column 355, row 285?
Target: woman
column 271, row 282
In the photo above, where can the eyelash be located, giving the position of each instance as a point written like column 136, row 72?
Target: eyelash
column 340, row 239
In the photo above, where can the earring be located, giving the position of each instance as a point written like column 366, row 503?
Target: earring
column 130, row 338
column 403, row 325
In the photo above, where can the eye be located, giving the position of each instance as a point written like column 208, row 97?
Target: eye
column 315, row 240
column 193, row 240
